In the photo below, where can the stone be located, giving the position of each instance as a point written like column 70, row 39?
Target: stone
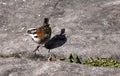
column 92, row 28
column 25, row 67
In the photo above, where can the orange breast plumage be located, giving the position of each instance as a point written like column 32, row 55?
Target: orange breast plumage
column 40, row 33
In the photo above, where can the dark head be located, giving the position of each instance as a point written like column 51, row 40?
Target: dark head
column 46, row 20
column 62, row 31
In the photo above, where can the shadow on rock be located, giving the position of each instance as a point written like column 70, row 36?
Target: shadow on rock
column 56, row 41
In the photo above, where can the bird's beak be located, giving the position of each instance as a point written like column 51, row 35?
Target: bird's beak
column 28, row 31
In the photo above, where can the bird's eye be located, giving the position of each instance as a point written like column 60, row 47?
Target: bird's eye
column 28, row 31
column 36, row 36
column 31, row 32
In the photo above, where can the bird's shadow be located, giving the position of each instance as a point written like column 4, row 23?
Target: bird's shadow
column 56, row 41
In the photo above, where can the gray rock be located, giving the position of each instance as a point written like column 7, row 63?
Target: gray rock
column 24, row 67
column 92, row 28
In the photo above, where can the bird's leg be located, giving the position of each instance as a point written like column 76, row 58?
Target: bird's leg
column 50, row 55
column 37, row 48
column 49, row 51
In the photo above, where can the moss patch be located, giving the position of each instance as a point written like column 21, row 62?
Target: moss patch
column 16, row 55
column 31, row 56
column 73, row 58
column 104, row 62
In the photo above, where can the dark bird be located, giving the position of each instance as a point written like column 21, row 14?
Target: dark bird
column 56, row 41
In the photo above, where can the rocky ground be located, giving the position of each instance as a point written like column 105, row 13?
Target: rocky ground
column 92, row 29
column 23, row 67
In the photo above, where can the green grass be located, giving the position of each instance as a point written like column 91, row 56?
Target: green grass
column 104, row 62
column 31, row 56
column 15, row 55
column 73, row 58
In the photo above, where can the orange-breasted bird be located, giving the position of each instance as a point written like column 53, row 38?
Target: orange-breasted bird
column 40, row 35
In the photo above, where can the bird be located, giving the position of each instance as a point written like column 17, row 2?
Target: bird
column 56, row 41
column 40, row 35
